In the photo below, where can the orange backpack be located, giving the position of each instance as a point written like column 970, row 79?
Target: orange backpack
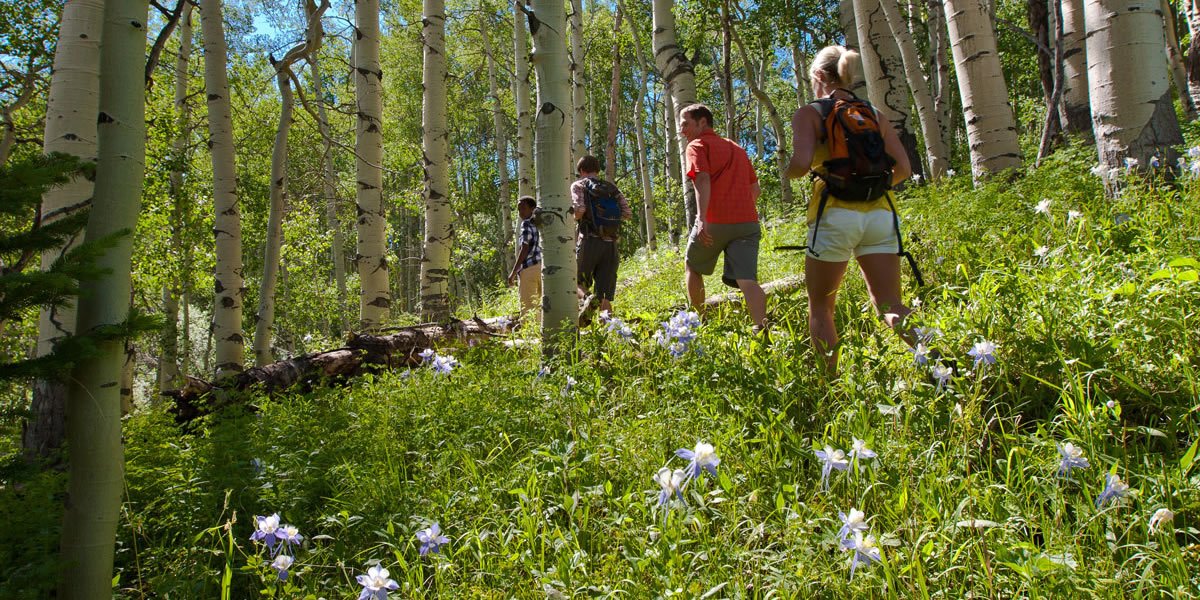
column 859, row 168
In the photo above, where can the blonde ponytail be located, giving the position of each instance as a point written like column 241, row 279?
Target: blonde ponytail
column 837, row 65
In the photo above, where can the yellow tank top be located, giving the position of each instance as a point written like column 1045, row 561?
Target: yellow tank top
column 820, row 155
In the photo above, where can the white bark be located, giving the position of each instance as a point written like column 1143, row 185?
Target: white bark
column 375, row 295
column 849, row 27
column 329, row 189
column 521, row 98
column 168, row 363
column 1133, row 115
column 675, row 175
column 680, row 79
column 264, row 321
column 71, row 107
column 94, row 398
column 1175, row 60
column 646, row 170
column 503, row 202
column 559, row 304
column 939, row 68
column 227, row 224
column 991, row 129
column 578, row 83
column 883, row 69
column 935, row 150
column 439, row 216
column 1074, row 109
column 614, row 106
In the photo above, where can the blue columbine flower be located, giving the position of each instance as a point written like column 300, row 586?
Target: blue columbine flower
column 865, row 550
column 920, row 353
column 926, row 334
column 426, row 355
column 703, row 458
column 431, row 539
column 860, row 450
column 941, row 374
column 265, row 530
column 376, row 584
column 671, row 483
column 984, row 352
column 831, row 459
column 1072, row 458
column 855, row 522
column 443, row 365
column 1114, row 489
column 502, row 322
column 281, row 564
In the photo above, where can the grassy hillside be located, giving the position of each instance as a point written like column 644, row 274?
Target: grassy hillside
column 544, row 484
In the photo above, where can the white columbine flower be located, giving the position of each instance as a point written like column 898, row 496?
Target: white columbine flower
column 1043, row 207
column 984, row 352
column 1162, row 518
column 860, row 450
column 1072, row 458
column 1114, row 489
column 1130, row 163
column 831, row 459
column 941, row 374
column 865, row 550
column 1073, row 214
column 855, row 522
column 671, row 483
column 1041, row 251
column 951, row 173
column 1194, row 152
column 703, row 458
column 920, row 353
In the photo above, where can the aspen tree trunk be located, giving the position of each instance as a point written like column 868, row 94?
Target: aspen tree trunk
column 1075, row 108
column 371, row 258
column 647, row 170
column 521, row 99
column 850, row 32
column 547, row 22
column 1175, row 59
column 503, row 203
column 128, row 369
column 264, row 321
column 330, row 191
column 439, row 216
column 991, row 129
column 675, row 175
column 935, row 149
column 883, row 69
column 94, row 397
column 71, row 108
column 939, row 68
column 168, row 363
column 731, row 128
column 614, row 106
column 1133, row 115
column 680, row 78
column 578, row 83
column 1037, row 13
column 9, row 138
column 227, row 224
column 799, row 67
column 782, row 139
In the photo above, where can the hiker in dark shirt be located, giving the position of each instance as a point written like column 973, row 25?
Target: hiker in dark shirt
column 596, row 251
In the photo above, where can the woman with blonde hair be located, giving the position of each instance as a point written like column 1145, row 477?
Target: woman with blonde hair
column 866, row 229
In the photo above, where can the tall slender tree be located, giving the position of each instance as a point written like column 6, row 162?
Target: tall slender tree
column 679, row 77
column 264, row 322
column 991, row 128
column 525, row 173
column 939, row 70
column 646, row 172
column 71, row 107
column 1133, row 115
column 329, row 186
column 374, row 296
column 547, row 22
column 578, row 83
column 782, row 156
column 1175, row 60
column 227, row 223
column 439, row 216
column 500, row 127
column 168, row 362
column 935, row 148
column 94, row 398
column 614, row 104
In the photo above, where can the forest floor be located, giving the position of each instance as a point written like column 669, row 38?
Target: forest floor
column 545, row 481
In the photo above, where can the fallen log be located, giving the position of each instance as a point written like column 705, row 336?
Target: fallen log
column 362, row 352
column 788, row 284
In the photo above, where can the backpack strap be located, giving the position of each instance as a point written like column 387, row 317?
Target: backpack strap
column 812, row 244
column 912, row 262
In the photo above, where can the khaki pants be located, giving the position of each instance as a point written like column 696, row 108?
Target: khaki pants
column 529, row 285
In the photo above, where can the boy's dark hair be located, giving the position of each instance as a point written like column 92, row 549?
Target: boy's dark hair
column 527, row 201
column 588, row 164
column 696, row 112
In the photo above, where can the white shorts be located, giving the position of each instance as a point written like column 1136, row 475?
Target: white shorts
column 845, row 233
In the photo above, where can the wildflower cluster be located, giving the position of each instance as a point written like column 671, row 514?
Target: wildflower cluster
column 702, row 458
column 615, row 325
column 679, row 332
column 983, row 353
column 279, row 540
column 441, row 364
column 854, row 537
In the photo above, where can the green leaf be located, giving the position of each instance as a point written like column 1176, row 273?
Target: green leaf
column 779, row 501
column 1184, row 261
column 1185, row 463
